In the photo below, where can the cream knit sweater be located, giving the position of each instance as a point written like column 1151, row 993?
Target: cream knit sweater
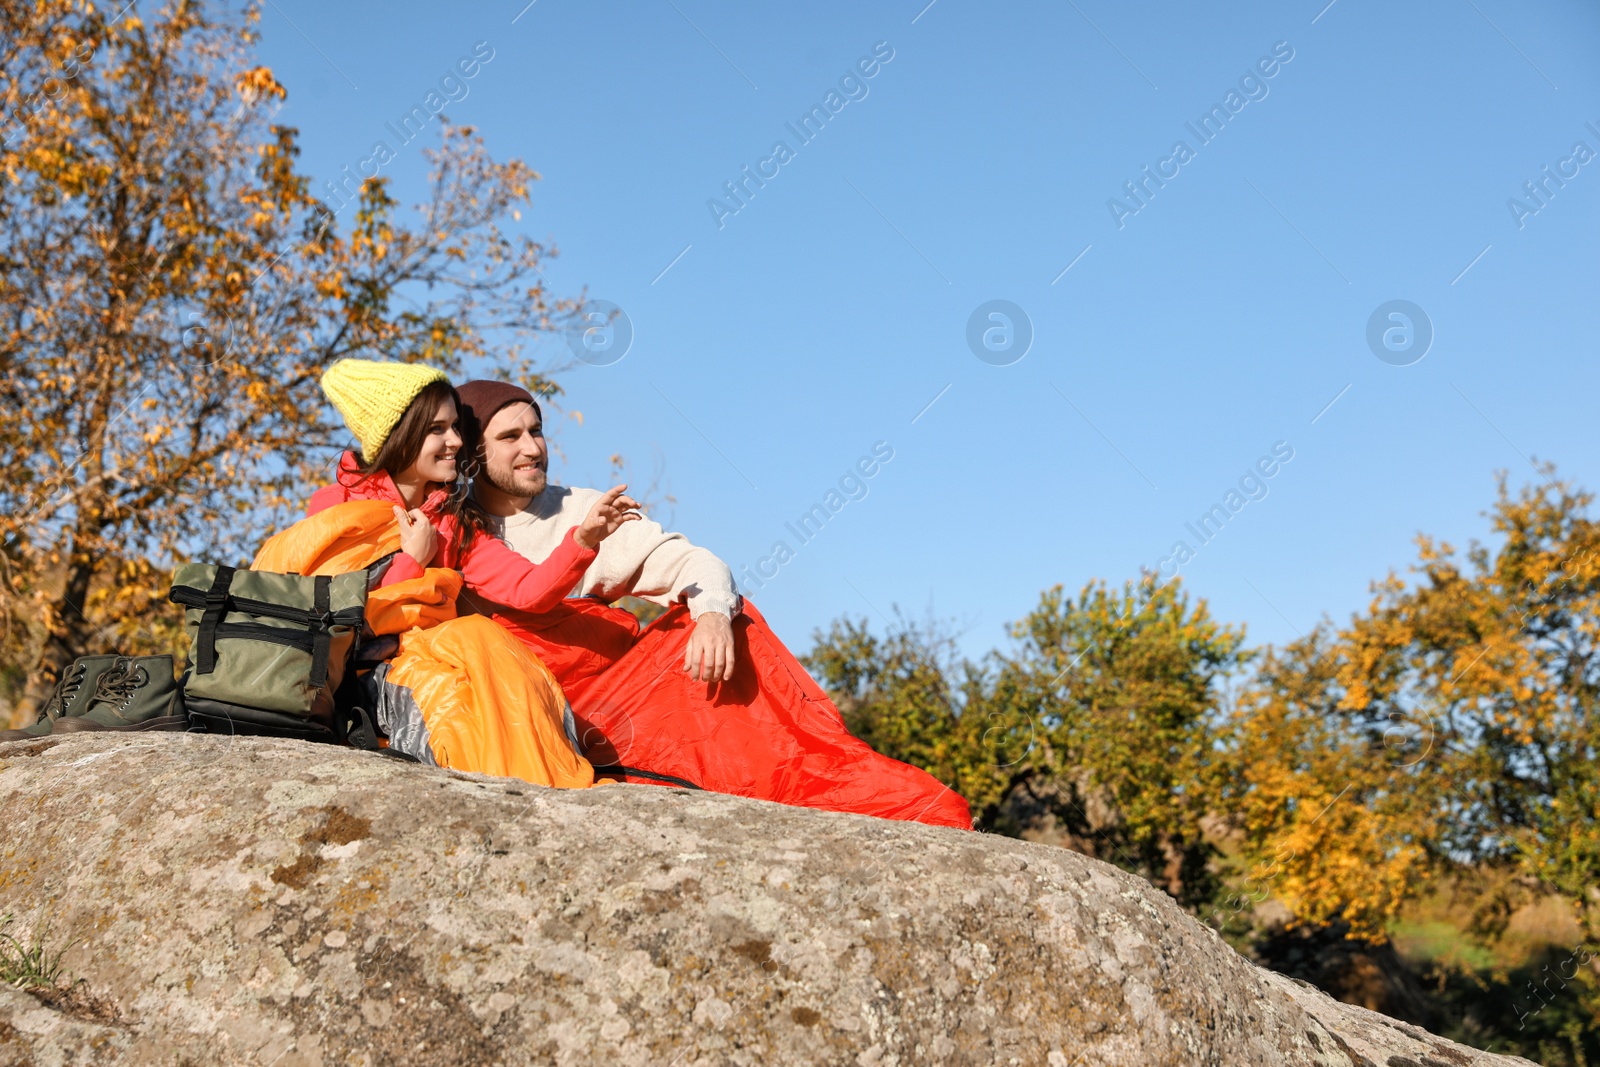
column 640, row 559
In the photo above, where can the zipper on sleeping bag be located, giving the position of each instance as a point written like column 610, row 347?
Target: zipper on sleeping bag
column 634, row 772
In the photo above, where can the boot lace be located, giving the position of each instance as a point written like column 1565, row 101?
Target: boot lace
column 67, row 687
column 120, row 681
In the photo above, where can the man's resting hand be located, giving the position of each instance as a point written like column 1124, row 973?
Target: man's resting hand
column 606, row 517
column 710, row 653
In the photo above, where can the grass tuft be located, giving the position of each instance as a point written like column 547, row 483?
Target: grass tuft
column 29, row 966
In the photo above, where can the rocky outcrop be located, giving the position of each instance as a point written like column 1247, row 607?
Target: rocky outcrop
column 267, row 902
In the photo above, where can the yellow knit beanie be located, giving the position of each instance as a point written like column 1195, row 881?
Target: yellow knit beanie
column 373, row 394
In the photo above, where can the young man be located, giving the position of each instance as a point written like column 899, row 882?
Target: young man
column 707, row 695
column 640, row 559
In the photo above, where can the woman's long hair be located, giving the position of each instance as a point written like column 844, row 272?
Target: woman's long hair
column 404, row 444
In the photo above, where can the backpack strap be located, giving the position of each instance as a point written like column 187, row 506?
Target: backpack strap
column 216, row 607
column 352, row 719
column 361, row 732
column 320, row 622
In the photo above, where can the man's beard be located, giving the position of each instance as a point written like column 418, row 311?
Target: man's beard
column 506, row 481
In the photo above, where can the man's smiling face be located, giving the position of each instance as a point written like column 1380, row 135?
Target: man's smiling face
column 515, row 459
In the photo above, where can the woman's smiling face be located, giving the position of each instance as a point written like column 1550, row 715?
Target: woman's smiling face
column 436, row 462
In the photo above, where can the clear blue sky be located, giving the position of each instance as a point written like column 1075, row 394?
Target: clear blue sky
column 1220, row 318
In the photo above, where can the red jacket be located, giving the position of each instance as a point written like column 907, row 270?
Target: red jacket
column 489, row 567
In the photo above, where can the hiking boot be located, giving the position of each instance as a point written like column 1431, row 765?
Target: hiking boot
column 136, row 693
column 73, row 691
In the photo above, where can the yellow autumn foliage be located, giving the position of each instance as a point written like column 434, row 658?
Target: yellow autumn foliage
column 171, row 291
column 1446, row 735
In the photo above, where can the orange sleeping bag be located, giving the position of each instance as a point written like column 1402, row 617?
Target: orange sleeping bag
column 487, row 703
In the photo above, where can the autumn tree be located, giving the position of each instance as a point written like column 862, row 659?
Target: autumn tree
column 171, row 289
column 1099, row 722
column 1448, row 732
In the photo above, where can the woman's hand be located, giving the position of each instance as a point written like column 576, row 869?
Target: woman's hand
column 606, row 517
column 418, row 539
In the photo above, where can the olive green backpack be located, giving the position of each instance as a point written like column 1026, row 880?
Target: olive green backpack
column 271, row 653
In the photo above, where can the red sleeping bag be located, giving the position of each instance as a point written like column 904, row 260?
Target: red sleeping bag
column 770, row 732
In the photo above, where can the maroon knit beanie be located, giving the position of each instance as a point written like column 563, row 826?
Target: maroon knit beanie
column 481, row 399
